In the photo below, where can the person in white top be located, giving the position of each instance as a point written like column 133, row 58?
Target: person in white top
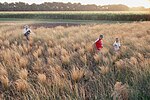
column 117, row 45
column 26, row 31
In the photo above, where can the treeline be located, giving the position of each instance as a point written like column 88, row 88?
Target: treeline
column 59, row 6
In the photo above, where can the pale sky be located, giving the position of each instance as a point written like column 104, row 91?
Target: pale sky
column 130, row 3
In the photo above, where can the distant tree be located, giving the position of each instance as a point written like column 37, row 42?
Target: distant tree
column 59, row 6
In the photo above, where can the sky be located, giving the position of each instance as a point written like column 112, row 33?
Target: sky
column 130, row 3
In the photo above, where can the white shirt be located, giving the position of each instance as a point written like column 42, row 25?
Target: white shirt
column 116, row 46
column 26, row 30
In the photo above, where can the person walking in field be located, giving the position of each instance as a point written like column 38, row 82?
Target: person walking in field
column 26, row 32
column 98, row 44
column 98, row 54
column 117, row 45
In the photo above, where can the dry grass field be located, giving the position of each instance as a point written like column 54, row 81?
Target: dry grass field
column 59, row 63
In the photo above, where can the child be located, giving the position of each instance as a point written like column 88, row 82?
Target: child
column 98, row 44
column 26, row 32
column 117, row 45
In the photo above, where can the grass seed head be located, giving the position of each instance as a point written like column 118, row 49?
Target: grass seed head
column 77, row 74
column 23, row 74
column 5, row 81
column 41, row 78
column 21, row 85
column 104, row 70
column 120, row 91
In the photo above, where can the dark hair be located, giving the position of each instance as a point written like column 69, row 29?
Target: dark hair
column 117, row 38
column 101, row 36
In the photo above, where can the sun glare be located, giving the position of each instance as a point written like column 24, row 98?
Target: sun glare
column 130, row 3
column 136, row 3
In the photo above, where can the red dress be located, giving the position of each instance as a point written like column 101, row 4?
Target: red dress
column 99, row 44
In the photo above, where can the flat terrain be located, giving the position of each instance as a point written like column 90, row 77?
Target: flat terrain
column 58, row 63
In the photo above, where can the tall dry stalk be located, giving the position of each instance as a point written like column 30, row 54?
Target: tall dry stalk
column 120, row 91
column 77, row 74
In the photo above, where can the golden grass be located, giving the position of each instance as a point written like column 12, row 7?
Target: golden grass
column 5, row 81
column 77, row 74
column 3, row 71
column 104, row 70
column 133, row 61
column 120, row 91
column 120, row 64
column 21, row 85
column 41, row 78
column 23, row 61
column 59, row 81
column 83, row 58
column 64, row 60
column 23, row 74
column 96, row 57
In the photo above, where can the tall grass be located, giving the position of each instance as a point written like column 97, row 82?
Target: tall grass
column 60, row 64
